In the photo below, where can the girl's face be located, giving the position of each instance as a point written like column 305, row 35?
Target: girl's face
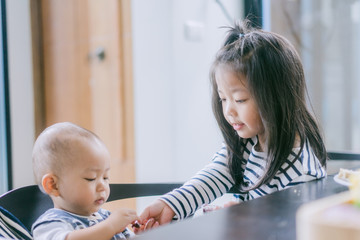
column 239, row 107
column 84, row 186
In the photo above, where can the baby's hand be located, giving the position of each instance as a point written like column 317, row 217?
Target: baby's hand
column 139, row 227
column 121, row 218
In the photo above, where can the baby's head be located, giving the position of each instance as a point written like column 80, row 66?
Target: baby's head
column 72, row 165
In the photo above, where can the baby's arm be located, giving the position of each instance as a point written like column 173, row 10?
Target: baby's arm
column 114, row 224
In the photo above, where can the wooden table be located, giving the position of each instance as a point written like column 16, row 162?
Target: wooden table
column 267, row 218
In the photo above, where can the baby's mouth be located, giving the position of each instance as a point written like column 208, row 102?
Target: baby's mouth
column 100, row 201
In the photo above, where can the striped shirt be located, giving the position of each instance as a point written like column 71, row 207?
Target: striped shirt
column 214, row 180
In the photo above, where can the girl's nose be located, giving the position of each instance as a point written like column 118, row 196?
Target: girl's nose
column 229, row 109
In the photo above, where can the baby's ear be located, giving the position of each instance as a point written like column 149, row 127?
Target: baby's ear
column 49, row 184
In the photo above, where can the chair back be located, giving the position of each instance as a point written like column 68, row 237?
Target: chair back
column 28, row 203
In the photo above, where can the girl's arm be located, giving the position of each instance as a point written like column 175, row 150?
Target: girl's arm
column 211, row 182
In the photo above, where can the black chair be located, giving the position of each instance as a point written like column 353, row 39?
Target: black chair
column 28, row 203
column 343, row 156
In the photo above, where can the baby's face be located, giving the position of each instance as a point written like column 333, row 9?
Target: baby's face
column 84, row 185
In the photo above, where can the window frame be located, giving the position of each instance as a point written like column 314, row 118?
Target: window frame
column 5, row 136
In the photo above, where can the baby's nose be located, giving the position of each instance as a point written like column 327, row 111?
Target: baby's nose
column 102, row 185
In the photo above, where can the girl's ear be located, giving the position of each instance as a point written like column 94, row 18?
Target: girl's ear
column 49, row 184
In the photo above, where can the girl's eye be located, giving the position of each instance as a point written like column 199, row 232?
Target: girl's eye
column 222, row 100
column 106, row 178
column 240, row 101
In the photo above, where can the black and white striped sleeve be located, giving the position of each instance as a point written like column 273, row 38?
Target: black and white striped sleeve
column 211, row 182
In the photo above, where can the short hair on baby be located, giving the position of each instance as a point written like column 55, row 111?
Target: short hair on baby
column 54, row 146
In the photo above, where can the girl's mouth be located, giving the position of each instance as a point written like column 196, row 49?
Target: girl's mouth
column 237, row 126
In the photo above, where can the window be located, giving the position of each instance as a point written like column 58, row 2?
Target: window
column 5, row 174
column 327, row 36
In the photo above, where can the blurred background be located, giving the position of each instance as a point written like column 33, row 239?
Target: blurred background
column 136, row 73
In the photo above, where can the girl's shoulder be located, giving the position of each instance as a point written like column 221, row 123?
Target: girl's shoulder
column 249, row 146
column 247, row 143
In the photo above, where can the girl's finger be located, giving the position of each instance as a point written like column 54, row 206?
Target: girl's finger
column 156, row 224
column 149, row 223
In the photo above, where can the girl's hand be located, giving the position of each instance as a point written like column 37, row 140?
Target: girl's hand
column 229, row 204
column 159, row 211
column 209, row 208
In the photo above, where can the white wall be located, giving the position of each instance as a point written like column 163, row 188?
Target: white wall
column 174, row 44
column 175, row 131
column 21, row 90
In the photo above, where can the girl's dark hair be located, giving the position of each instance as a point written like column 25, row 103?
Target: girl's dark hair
column 275, row 79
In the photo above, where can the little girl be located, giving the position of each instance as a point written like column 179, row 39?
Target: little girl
column 271, row 140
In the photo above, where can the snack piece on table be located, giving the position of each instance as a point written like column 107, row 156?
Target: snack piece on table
column 346, row 174
column 136, row 224
column 354, row 187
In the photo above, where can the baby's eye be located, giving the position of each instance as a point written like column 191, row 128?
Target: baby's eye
column 90, row 179
column 106, row 178
column 222, row 99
